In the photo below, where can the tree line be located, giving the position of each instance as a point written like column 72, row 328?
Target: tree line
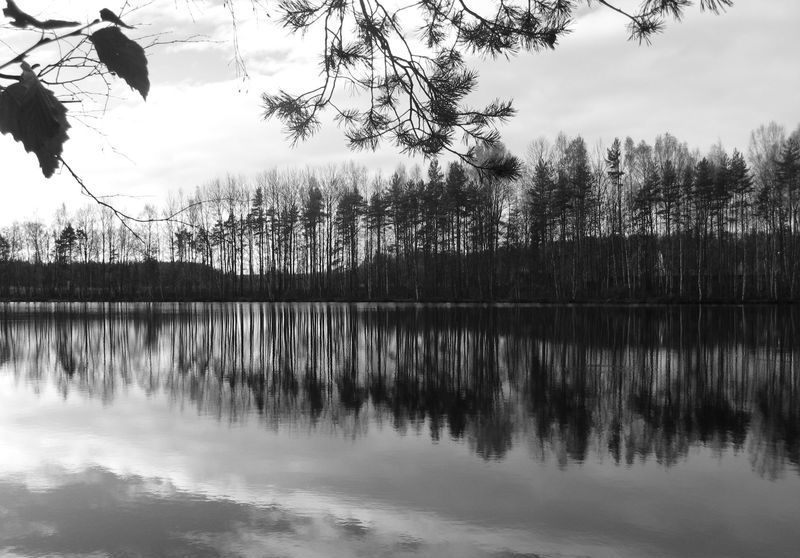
column 633, row 221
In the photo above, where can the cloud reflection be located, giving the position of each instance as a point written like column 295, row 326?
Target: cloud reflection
column 97, row 512
column 302, row 430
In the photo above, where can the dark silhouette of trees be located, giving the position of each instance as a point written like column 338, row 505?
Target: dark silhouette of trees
column 348, row 224
column 65, row 245
column 633, row 222
column 5, row 249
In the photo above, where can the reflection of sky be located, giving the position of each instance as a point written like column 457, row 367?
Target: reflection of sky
column 79, row 476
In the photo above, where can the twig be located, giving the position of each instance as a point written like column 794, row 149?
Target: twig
column 124, row 217
column 45, row 41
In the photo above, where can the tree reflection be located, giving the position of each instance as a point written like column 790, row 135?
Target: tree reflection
column 625, row 383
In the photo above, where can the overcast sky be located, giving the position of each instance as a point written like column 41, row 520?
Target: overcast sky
column 707, row 79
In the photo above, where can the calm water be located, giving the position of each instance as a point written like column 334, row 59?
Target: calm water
column 305, row 430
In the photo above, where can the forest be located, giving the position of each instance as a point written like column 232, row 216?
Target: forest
column 626, row 222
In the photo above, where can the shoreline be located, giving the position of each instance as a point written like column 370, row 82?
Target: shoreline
column 430, row 302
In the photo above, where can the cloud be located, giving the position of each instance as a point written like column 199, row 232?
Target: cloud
column 705, row 79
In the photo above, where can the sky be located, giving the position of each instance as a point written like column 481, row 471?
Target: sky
column 708, row 79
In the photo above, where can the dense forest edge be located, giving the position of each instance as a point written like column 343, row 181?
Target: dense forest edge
column 631, row 222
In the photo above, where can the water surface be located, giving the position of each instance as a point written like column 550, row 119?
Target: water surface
column 294, row 430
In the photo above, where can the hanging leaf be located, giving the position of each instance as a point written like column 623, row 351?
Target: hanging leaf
column 122, row 57
column 34, row 117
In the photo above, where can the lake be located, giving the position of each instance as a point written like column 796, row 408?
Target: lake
column 305, row 430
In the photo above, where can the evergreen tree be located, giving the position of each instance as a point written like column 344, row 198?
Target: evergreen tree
column 5, row 249
column 65, row 244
